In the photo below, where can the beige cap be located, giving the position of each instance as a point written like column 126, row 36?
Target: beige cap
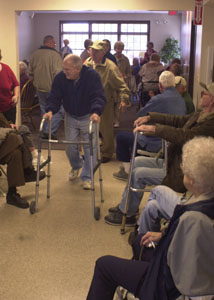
column 209, row 87
column 99, row 45
column 180, row 80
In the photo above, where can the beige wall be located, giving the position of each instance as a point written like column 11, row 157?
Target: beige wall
column 8, row 28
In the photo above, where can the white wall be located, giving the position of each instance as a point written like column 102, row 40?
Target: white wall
column 26, row 35
column 167, row 25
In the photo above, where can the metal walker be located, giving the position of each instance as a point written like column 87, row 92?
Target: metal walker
column 95, row 209
column 129, row 187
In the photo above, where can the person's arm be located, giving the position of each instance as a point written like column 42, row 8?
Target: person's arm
column 166, row 119
column 118, row 83
column 15, row 97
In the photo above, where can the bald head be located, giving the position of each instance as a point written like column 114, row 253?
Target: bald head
column 72, row 65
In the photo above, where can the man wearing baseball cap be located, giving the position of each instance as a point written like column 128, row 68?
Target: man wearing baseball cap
column 181, row 84
column 112, row 81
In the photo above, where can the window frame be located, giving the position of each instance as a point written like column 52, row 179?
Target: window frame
column 119, row 33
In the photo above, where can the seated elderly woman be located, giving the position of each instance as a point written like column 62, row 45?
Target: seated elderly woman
column 183, row 260
column 23, row 75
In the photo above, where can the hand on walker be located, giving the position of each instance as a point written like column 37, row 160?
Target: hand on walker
column 141, row 120
column 145, row 128
column 150, row 237
column 122, row 106
column 95, row 118
column 48, row 115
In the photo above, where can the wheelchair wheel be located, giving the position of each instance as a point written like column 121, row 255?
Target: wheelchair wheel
column 97, row 213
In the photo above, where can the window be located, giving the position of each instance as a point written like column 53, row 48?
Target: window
column 134, row 35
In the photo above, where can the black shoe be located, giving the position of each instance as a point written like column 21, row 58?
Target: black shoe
column 121, row 175
column 30, row 177
column 116, row 219
column 114, row 210
column 16, row 200
column 45, row 136
column 104, row 159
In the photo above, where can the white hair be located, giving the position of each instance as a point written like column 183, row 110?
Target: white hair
column 167, row 79
column 198, row 162
column 22, row 66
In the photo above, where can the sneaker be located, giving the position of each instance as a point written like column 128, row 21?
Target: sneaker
column 73, row 174
column 35, row 159
column 16, row 200
column 116, row 219
column 86, row 185
column 121, row 175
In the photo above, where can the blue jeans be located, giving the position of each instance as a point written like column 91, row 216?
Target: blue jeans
column 55, row 123
column 161, row 204
column 74, row 128
column 146, row 171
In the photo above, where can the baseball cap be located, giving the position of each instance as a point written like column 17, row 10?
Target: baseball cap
column 99, row 45
column 209, row 87
column 180, row 80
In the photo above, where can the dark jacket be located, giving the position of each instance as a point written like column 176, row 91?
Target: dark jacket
column 79, row 97
column 178, row 130
column 158, row 283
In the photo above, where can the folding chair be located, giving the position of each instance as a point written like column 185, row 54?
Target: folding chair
column 28, row 104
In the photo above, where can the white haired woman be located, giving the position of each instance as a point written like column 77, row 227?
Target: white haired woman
column 183, row 260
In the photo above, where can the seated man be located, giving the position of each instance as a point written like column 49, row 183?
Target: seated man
column 26, row 135
column 168, row 102
column 148, row 171
column 182, row 263
column 181, row 85
column 19, row 165
column 80, row 90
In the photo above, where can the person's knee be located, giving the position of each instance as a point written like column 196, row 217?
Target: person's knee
column 151, row 208
column 103, row 261
column 23, row 129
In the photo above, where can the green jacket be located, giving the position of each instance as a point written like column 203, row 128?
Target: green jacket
column 189, row 103
column 44, row 64
column 111, row 79
column 178, row 130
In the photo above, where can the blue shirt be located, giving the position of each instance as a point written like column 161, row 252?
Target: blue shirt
column 168, row 102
